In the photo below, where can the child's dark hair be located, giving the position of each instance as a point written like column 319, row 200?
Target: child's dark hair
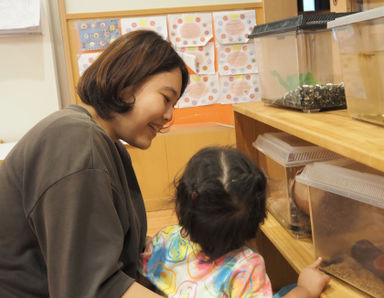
column 220, row 200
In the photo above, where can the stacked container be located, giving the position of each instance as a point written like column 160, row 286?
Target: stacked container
column 281, row 156
column 298, row 63
column 347, row 214
column 361, row 45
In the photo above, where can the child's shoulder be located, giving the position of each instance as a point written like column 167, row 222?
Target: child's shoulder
column 170, row 230
column 248, row 255
column 167, row 233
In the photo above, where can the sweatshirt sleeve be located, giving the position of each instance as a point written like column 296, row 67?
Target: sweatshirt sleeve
column 81, row 237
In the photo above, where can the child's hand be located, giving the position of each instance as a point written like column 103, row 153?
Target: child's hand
column 313, row 280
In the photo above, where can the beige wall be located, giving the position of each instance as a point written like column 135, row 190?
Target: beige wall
column 32, row 67
column 76, row 6
column 28, row 87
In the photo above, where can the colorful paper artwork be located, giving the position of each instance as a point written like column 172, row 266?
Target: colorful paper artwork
column 187, row 30
column 154, row 23
column 223, row 70
column 239, row 88
column 236, row 59
column 201, row 90
column 85, row 60
column 98, row 34
column 202, row 60
column 234, row 26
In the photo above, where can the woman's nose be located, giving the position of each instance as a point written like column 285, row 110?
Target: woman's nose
column 168, row 113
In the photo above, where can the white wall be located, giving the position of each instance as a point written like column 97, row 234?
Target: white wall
column 29, row 88
column 77, row 6
column 28, row 80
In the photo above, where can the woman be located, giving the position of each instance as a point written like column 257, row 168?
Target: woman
column 72, row 218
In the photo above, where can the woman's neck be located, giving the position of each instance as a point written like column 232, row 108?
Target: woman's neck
column 103, row 123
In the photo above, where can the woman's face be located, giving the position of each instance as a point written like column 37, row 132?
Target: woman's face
column 152, row 109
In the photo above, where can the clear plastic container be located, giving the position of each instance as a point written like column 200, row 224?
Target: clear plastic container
column 361, row 46
column 347, row 215
column 298, row 63
column 281, row 156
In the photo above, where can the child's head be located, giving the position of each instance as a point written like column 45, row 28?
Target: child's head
column 220, row 200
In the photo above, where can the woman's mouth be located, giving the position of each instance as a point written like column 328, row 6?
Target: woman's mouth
column 155, row 127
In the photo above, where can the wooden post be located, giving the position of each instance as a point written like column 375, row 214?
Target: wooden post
column 275, row 10
column 354, row 5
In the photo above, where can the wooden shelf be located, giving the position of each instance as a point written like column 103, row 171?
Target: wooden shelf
column 160, row 219
column 300, row 253
column 333, row 130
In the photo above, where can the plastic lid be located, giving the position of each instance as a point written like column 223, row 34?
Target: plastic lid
column 289, row 150
column 304, row 21
column 357, row 17
column 346, row 178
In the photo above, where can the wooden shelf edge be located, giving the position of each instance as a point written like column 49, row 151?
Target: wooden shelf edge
column 299, row 253
column 333, row 130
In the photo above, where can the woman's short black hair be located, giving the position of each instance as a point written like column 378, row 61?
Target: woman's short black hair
column 125, row 64
column 220, row 200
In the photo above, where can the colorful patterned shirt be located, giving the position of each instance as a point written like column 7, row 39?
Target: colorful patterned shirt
column 179, row 268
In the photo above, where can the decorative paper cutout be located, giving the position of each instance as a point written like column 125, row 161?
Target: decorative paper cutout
column 189, row 60
column 85, row 60
column 239, row 88
column 154, row 23
column 236, row 59
column 204, row 58
column 188, row 30
column 98, row 34
column 201, row 90
column 233, row 26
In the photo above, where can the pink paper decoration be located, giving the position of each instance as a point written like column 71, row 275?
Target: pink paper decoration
column 233, row 26
column 201, row 90
column 239, row 88
column 237, row 59
column 204, row 58
column 187, row 30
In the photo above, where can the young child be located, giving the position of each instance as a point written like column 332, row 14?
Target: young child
column 220, row 203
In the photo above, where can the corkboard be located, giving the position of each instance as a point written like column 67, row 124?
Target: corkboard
column 221, row 113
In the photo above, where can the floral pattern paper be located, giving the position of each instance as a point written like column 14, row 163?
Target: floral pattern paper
column 234, row 26
column 155, row 23
column 188, row 30
column 201, row 90
column 204, row 62
column 85, row 60
column 98, row 34
column 239, row 88
column 236, row 59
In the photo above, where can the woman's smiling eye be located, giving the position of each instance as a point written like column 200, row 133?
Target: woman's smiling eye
column 167, row 100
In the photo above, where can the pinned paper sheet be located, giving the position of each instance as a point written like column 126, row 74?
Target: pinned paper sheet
column 98, row 34
column 19, row 16
column 239, row 88
column 200, row 59
column 201, row 90
column 188, row 59
column 156, row 23
column 236, row 59
column 233, row 26
column 187, row 30
column 85, row 60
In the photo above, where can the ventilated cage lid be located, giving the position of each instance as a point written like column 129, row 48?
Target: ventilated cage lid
column 304, row 21
column 357, row 17
column 346, row 178
column 289, row 150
